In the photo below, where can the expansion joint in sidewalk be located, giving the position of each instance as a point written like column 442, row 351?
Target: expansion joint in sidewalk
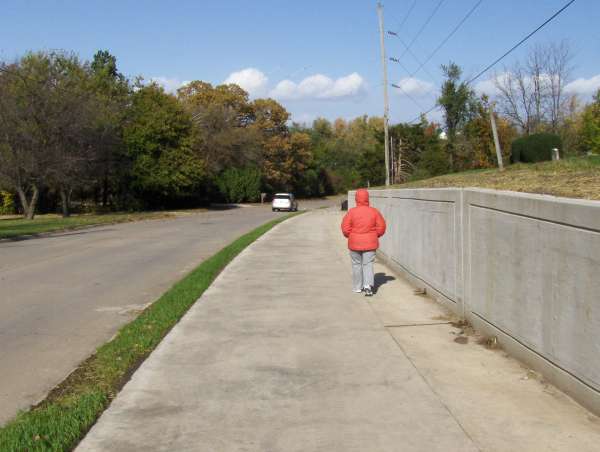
column 403, row 325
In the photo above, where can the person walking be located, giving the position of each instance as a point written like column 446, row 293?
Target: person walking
column 362, row 226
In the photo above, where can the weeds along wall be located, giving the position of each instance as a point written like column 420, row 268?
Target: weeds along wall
column 524, row 268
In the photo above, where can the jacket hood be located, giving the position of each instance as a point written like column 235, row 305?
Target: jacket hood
column 362, row 197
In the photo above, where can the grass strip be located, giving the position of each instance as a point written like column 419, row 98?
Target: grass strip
column 62, row 419
column 18, row 227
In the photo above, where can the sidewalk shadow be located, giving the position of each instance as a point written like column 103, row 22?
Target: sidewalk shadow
column 381, row 279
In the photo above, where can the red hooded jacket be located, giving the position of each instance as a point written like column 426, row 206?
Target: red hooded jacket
column 363, row 225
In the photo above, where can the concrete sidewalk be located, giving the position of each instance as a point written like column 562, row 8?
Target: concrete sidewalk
column 280, row 355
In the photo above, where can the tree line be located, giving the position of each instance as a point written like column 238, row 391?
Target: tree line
column 74, row 130
column 79, row 134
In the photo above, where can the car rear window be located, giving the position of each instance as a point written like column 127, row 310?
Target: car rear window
column 282, row 196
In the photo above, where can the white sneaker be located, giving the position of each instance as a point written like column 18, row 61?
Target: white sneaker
column 357, row 290
column 368, row 291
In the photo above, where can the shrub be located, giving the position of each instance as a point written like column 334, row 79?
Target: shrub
column 534, row 148
column 309, row 184
column 371, row 166
column 240, row 184
column 7, row 203
column 418, row 174
column 433, row 162
column 590, row 127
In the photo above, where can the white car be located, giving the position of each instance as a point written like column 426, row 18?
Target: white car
column 284, row 201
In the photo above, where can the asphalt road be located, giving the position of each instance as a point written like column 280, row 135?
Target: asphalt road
column 63, row 295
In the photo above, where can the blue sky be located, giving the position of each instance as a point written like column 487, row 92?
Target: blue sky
column 318, row 58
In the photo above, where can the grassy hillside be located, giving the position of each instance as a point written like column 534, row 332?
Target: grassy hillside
column 573, row 178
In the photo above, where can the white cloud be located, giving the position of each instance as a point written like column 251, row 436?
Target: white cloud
column 350, row 85
column 584, row 86
column 486, row 87
column 320, row 86
column 414, row 87
column 250, row 79
column 171, row 85
column 285, row 89
column 489, row 86
column 317, row 86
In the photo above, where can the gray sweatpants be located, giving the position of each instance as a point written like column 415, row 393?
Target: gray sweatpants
column 362, row 269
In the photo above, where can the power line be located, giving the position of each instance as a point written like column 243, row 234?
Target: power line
column 433, row 13
column 407, row 49
column 414, row 3
column 396, row 60
column 518, row 44
column 435, row 107
column 447, row 38
column 418, row 104
column 430, row 56
column 416, row 58
column 508, row 52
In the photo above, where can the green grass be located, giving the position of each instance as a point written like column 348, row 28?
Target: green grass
column 572, row 178
column 60, row 421
column 16, row 227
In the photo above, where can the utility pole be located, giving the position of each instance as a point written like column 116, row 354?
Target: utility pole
column 392, row 164
column 496, row 140
column 399, row 161
column 386, row 103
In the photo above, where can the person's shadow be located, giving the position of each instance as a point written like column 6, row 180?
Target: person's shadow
column 381, row 279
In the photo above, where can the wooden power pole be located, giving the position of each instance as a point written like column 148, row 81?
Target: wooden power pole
column 392, row 164
column 386, row 103
column 496, row 140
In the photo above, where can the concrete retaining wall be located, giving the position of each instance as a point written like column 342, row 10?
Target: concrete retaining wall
column 524, row 268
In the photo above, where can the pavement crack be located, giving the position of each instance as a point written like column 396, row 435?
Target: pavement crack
column 387, row 329
column 432, row 389
column 404, row 325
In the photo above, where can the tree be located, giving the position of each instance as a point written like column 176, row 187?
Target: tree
column 456, row 100
column 432, row 162
column 532, row 94
column 558, row 66
column 104, row 65
column 158, row 140
column 240, row 184
column 222, row 116
column 413, row 142
column 22, row 163
column 590, row 133
column 284, row 160
column 476, row 147
column 70, row 117
column 111, row 90
column 321, row 130
column 571, row 130
column 198, row 95
column 371, row 166
column 344, row 154
column 45, row 112
column 269, row 117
